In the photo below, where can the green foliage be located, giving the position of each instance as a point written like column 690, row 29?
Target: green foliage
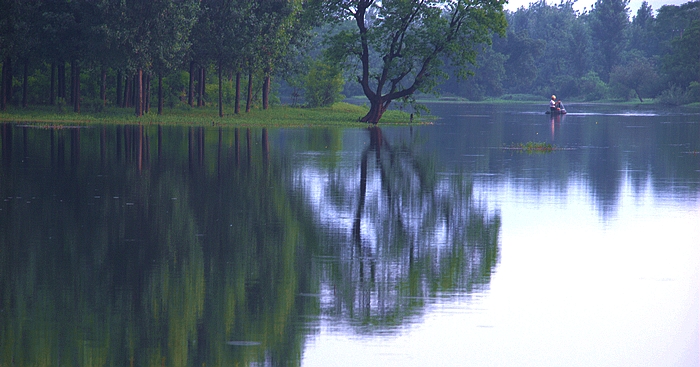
column 550, row 49
column 175, row 88
column 609, row 19
column 693, row 92
column 638, row 75
column 323, row 84
column 60, row 105
column 682, row 65
column 592, row 87
column 95, row 105
column 676, row 95
column 521, row 51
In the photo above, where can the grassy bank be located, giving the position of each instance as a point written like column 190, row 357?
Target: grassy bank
column 340, row 114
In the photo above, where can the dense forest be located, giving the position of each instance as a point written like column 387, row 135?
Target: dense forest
column 598, row 54
column 186, row 53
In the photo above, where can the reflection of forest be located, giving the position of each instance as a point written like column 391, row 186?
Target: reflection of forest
column 189, row 246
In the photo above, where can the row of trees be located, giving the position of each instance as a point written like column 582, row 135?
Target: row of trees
column 400, row 45
column 593, row 55
column 115, row 49
column 135, row 41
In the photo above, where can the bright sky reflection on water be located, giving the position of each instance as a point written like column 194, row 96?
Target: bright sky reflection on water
column 570, row 290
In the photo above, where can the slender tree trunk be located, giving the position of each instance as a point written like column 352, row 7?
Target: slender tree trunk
column 134, row 89
column 147, row 93
column 103, row 86
column 221, row 93
column 72, row 83
column 160, row 95
column 190, row 93
column 3, row 87
column 61, row 69
column 237, row 106
column 8, row 79
column 128, row 91
column 25, row 82
column 266, row 92
column 249, row 97
column 52, row 86
column 76, row 82
column 138, row 105
column 639, row 96
column 200, row 99
column 119, row 88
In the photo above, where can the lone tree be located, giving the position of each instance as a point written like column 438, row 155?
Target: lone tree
column 402, row 44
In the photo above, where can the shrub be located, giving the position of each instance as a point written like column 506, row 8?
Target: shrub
column 676, row 96
column 592, row 87
column 323, row 85
column 92, row 104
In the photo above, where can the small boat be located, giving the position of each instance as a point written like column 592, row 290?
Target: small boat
column 556, row 112
column 561, row 110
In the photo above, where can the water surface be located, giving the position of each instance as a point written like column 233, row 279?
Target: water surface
column 402, row 246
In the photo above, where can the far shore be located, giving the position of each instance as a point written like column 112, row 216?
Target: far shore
column 544, row 101
column 343, row 114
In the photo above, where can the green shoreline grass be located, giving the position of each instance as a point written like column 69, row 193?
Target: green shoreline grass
column 340, row 114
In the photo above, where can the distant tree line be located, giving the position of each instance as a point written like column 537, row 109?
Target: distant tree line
column 593, row 55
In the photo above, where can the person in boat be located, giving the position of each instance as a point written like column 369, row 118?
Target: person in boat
column 559, row 105
column 553, row 104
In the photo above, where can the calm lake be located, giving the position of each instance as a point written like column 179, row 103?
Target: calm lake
column 424, row 245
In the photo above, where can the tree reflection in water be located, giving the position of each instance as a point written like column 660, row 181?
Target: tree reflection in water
column 190, row 249
column 413, row 235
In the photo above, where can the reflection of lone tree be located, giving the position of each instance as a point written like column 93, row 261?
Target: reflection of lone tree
column 413, row 235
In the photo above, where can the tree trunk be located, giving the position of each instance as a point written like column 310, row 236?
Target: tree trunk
column 72, row 83
column 103, row 86
column 25, row 82
column 190, row 92
column 3, row 87
column 639, row 96
column 138, row 105
column 76, row 93
column 147, row 93
column 160, row 95
column 201, row 87
column 249, row 97
column 119, row 88
column 127, row 91
column 266, row 92
column 237, row 106
column 7, row 66
column 221, row 93
column 376, row 110
column 52, row 86
column 61, row 69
